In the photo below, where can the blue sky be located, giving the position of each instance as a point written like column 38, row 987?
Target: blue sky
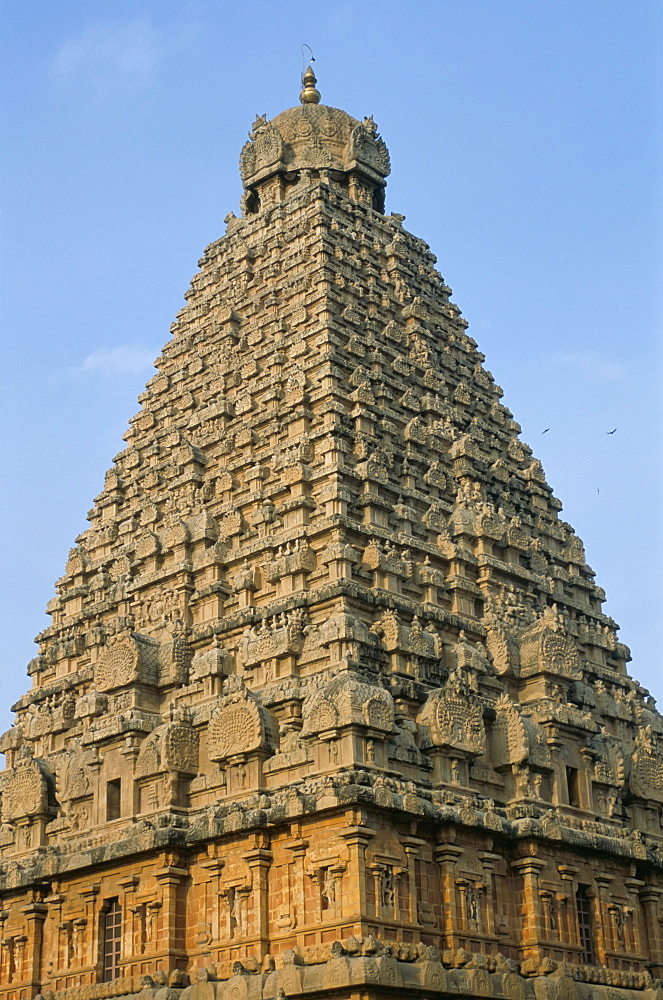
column 526, row 149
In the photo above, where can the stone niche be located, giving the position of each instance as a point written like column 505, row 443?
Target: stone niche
column 388, row 887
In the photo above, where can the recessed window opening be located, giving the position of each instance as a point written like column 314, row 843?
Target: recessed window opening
column 585, row 925
column 114, row 799
column 112, row 939
column 573, row 786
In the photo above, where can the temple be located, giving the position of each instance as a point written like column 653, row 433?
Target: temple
column 328, row 706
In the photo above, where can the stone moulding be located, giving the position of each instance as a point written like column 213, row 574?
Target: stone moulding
column 407, row 970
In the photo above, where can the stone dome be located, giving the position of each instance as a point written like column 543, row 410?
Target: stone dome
column 314, row 137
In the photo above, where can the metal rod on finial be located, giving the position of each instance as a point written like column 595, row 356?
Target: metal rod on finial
column 309, row 94
column 306, row 61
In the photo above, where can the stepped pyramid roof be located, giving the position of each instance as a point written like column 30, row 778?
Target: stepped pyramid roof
column 328, row 696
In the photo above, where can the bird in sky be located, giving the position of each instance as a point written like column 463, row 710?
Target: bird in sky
column 611, row 432
column 546, row 430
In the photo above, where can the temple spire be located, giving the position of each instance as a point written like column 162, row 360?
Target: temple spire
column 309, row 94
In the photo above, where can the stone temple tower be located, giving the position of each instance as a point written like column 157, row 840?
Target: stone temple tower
column 328, row 707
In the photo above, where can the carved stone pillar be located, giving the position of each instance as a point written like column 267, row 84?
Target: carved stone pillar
column 172, row 941
column 585, row 783
column 376, row 875
column 529, row 870
column 558, row 796
column 571, row 931
column 357, row 837
column 296, row 890
column 461, row 886
column 90, row 948
column 4, row 948
column 446, row 856
column 7, row 970
column 20, row 949
column 411, row 846
column 98, row 792
column 130, row 925
column 634, row 936
column 150, row 924
column 488, row 859
column 336, row 873
column 35, row 914
column 79, row 925
column 400, row 877
column 259, row 861
column 601, row 916
column 563, row 917
column 53, row 934
column 650, row 897
column 212, row 926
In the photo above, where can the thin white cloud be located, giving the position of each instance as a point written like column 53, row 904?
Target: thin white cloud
column 108, row 54
column 589, row 364
column 122, row 360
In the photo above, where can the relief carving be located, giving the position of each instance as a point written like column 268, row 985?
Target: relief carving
column 454, row 717
column 293, row 557
column 517, row 739
column 545, row 647
column 129, row 659
column 348, row 700
column 647, row 766
column 27, row 789
column 411, row 639
column 240, row 725
column 172, row 747
column 75, row 776
column 274, row 637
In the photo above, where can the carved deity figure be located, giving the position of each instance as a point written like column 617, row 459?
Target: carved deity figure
column 327, row 889
column 387, row 888
column 472, row 906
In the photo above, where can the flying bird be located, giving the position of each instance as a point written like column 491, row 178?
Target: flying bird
column 546, row 430
column 611, row 432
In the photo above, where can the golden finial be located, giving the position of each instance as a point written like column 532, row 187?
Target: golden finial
column 309, row 94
